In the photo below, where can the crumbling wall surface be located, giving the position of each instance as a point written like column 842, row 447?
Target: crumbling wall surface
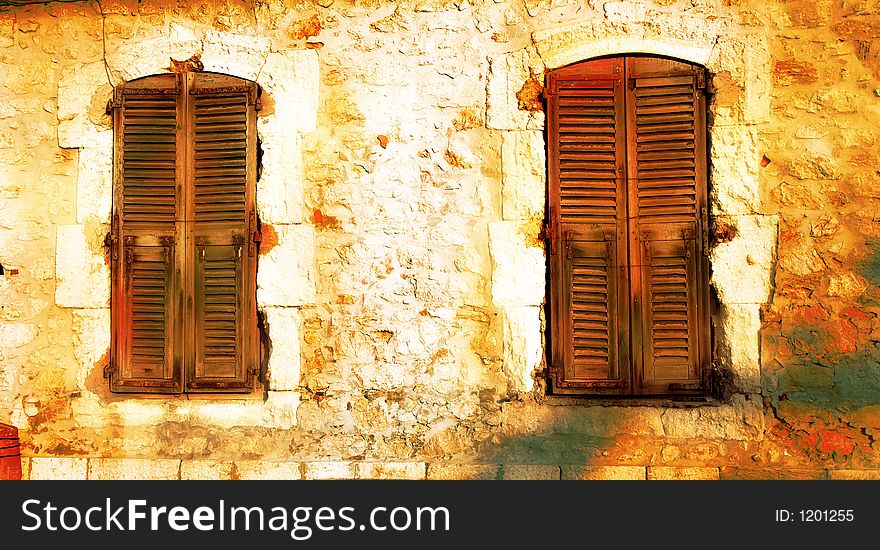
column 401, row 277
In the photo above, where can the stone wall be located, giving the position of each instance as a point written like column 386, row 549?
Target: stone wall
column 402, row 282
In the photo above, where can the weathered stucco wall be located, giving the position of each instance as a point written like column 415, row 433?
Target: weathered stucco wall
column 403, row 185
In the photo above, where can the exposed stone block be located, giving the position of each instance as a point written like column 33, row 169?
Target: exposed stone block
column 15, row 335
column 529, row 417
column 522, row 346
column 83, row 278
column 58, row 468
column 290, row 79
column 279, row 411
column 684, row 473
column 604, row 472
column 854, row 474
column 139, row 58
column 742, row 268
column 463, row 471
column 94, row 183
column 258, row 469
column 329, row 470
column 523, row 175
column 729, row 472
column 236, row 54
column 77, row 87
column 391, row 470
column 530, row 471
column 284, row 325
column 280, row 187
column 739, row 346
column 134, row 468
column 733, row 166
column 205, row 469
column 518, row 267
column 508, row 74
column 91, row 329
column 691, row 38
column 7, row 30
column 286, row 274
column 742, row 420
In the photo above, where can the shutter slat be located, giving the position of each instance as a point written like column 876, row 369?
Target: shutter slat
column 220, row 170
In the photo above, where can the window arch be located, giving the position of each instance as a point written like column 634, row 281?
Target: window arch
column 627, row 176
column 183, row 256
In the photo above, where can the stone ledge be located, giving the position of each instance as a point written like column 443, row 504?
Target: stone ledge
column 681, row 473
column 531, row 471
column 604, row 472
column 50, row 468
column 728, row 472
column 854, row 474
column 463, row 471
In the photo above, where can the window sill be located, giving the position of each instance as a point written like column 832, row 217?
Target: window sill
column 668, row 402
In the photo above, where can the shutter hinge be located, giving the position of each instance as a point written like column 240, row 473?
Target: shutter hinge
column 115, row 100
column 112, row 238
column 704, row 219
column 109, row 368
column 701, row 80
column 256, row 234
column 548, row 231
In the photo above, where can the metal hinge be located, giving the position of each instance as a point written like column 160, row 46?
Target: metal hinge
column 109, row 368
column 704, row 219
column 115, row 100
column 548, row 230
column 701, row 80
column 256, row 234
column 112, row 238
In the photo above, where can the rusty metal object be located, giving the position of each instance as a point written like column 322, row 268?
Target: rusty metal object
column 10, row 453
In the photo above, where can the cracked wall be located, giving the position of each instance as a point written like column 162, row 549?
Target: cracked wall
column 403, row 178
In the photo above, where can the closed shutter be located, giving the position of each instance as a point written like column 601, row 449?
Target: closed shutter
column 666, row 168
column 182, row 239
column 220, row 224
column 147, row 235
column 588, row 218
column 627, row 227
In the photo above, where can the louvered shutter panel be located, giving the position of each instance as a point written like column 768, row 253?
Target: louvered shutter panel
column 220, row 223
column 667, row 203
column 589, row 298
column 146, row 236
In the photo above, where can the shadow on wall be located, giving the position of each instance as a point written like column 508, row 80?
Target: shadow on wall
column 821, row 374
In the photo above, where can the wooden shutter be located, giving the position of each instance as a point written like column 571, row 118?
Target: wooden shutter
column 667, row 204
column 220, row 225
column 588, row 265
column 146, row 237
column 627, row 226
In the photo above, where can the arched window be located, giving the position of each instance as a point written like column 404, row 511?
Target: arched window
column 629, row 296
column 183, row 256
